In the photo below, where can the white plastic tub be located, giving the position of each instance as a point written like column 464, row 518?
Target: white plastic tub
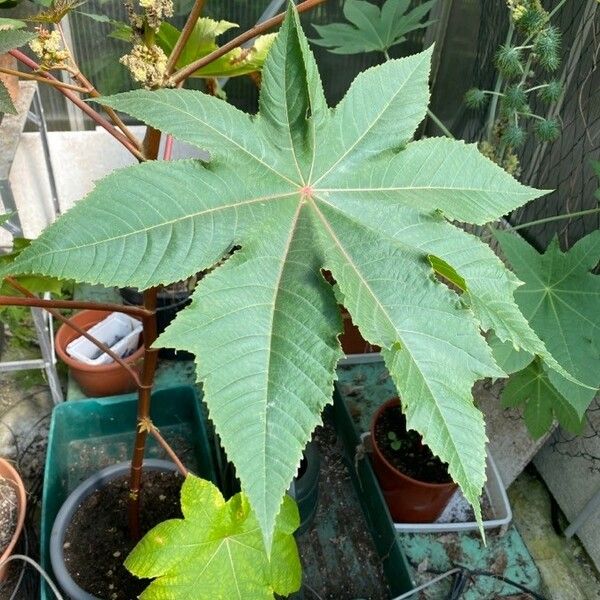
column 121, row 333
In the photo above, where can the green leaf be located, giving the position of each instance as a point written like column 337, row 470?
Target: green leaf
column 542, row 401
column 508, row 359
column 13, row 38
column 596, row 167
column 120, row 30
column 34, row 283
column 371, row 29
column 216, row 551
column 11, row 23
column 202, row 42
column 6, row 104
column 294, row 190
column 561, row 301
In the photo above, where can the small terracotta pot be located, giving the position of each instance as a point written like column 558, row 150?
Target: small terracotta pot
column 95, row 380
column 8, row 472
column 352, row 340
column 409, row 500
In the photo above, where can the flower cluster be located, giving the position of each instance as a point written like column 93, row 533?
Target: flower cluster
column 47, row 46
column 156, row 11
column 147, row 65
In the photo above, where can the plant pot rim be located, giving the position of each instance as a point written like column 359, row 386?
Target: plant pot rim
column 81, row 366
column 68, row 509
column 396, row 402
column 10, row 473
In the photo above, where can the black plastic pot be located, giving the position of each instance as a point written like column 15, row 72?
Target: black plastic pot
column 168, row 304
column 306, row 487
column 67, row 511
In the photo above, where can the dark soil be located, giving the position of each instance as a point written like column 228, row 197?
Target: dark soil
column 97, row 540
column 413, row 458
column 8, row 513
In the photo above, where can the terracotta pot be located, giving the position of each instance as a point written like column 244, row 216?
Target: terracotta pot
column 8, row 472
column 10, row 81
column 95, row 380
column 352, row 340
column 409, row 500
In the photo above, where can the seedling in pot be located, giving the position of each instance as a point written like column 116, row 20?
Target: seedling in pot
column 395, row 442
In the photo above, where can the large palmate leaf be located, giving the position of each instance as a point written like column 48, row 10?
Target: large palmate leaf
column 561, row 300
column 542, row 402
column 216, row 551
column 371, row 28
column 294, row 190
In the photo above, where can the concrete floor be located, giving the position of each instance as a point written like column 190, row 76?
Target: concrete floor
column 566, row 569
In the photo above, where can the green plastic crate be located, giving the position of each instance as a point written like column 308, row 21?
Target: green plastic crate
column 88, row 435
column 394, row 561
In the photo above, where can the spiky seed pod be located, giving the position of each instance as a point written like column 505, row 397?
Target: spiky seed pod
column 507, row 111
column 552, row 91
column 514, row 136
column 547, row 130
column 547, row 48
column 475, row 98
column 533, row 19
column 508, row 61
column 515, row 98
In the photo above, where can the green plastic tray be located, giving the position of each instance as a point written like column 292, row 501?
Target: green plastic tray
column 394, row 562
column 87, row 435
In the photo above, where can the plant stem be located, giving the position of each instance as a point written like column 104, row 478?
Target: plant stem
column 537, row 87
column 134, row 311
column 94, row 93
column 185, row 35
column 114, row 117
column 439, row 123
column 151, row 147
column 45, row 80
column 33, row 301
column 88, row 110
column 491, row 119
column 143, row 415
column 580, row 213
column 155, row 433
column 185, row 72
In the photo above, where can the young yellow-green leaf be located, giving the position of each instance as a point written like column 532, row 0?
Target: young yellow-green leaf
column 202, row 41
column 216, row 551
column 561, row 300
column 543, row 403
column 296, row 189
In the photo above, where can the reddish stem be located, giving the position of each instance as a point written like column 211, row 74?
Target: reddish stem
column 151, row 148
column 167, row 448
column 86, row 108
column 33, row 301
column 168, row 153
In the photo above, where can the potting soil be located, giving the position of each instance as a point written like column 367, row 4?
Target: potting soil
column 8, row 513
column 97, row 541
